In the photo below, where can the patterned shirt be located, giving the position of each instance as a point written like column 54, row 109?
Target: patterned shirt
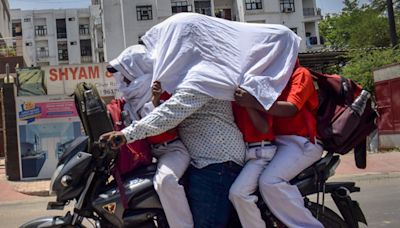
column 206, row 127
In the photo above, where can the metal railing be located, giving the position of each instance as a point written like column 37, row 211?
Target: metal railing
column 86, row 59
column 42, row 54
column 311, row 12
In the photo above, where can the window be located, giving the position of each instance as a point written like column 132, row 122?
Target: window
column 86, row 48
column 71, row 19
column 41, row 30
column 253, row 4
column 42, row 52
column 72, row 43
column 61, row 29
column 84, row 29
column 181, row 6
column 144, row 13
column 28, row 44
column 287, row 6
column 203, row 7
column 62, row 51
column 294, row 30
column 27, row 19
column 86, row 51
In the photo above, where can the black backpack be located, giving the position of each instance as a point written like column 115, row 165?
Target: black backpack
column 92, row 111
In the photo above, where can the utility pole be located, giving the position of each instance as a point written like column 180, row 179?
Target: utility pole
column 392, row 25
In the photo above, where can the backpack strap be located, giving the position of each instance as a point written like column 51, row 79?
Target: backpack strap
column 120, row 184
column 308, row 118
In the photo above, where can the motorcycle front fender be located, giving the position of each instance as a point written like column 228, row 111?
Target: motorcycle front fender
column 53, row 222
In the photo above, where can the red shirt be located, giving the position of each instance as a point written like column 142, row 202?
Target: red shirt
column 166, row 136
column 246, row 126
column 301, row 92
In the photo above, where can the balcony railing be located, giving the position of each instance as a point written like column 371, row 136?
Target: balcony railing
column 86, row 59
column 61, row 35
column 311, row 12
column 42, row 54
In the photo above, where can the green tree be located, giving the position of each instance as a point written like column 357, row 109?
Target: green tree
column 350, row 5
column 356, row 28
column 362, row 63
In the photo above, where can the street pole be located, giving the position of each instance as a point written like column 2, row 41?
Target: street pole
column 392, row 25
column 7, row 73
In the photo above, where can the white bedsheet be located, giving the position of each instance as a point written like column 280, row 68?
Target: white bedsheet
column 215, row 56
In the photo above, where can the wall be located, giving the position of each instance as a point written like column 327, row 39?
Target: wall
column 387, row 84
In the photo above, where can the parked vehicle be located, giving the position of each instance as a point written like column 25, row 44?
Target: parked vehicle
column 84, row 178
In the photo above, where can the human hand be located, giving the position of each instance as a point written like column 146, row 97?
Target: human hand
column 244, row 98
column 115, row 138
column 156, row 89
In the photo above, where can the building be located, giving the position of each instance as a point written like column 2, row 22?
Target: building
column 125, row 21
column 5, row 29
column 62, row 36
column 5, row 19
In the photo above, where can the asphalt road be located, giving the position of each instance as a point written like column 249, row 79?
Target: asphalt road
column 379, row 199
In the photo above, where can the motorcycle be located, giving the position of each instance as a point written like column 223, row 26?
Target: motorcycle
column 86, row 179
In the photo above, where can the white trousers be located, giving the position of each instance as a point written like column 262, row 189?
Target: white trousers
column 173, row 160
column 241, row 191
column 293, row 155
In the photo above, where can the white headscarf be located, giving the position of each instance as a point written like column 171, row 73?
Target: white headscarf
column 135, row 65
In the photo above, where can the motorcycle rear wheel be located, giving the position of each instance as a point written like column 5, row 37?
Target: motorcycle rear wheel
column 329, row 218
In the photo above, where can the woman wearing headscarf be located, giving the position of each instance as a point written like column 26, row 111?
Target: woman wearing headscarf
column 134, row 79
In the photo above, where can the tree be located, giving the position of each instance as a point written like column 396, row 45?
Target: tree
column 350, row 5
column 362, row 63
column 356, row 28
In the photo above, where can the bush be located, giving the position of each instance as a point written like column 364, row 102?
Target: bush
column 362, row 63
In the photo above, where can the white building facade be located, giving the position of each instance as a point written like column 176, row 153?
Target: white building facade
column 5, row 28
column 125, row 21
column 57, row 37
column 5, row 19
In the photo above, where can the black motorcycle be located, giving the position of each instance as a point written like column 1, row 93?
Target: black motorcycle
column 85, row 179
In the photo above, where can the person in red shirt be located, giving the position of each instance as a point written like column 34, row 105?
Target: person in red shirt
column 297, row 148
column 256, row 127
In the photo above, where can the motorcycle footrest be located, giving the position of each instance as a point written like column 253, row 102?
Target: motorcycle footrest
column 55, row 206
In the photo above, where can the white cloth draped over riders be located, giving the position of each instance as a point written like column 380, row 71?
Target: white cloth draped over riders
column 212, row 56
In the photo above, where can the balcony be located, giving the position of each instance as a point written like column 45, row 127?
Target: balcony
column 41, row 54
column 86, row 59
column 84, row 30
column 311, row 12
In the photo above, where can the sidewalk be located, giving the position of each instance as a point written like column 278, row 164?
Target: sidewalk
column 378, row 164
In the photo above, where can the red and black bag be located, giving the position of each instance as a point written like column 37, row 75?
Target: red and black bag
column 132, row 155
column 339, row 127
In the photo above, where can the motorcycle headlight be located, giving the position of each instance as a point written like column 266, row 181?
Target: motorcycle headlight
column 54, row 177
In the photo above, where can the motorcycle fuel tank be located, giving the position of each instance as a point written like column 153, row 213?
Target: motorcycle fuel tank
column 140, row 194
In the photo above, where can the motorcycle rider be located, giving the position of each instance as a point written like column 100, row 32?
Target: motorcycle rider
column 206, row 127
column 297, row 147
column 256, row 127
column 173, row 157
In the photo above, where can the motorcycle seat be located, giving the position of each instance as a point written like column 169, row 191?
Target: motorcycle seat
column 315, row 168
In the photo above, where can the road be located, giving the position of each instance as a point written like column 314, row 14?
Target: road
column 379, row 198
